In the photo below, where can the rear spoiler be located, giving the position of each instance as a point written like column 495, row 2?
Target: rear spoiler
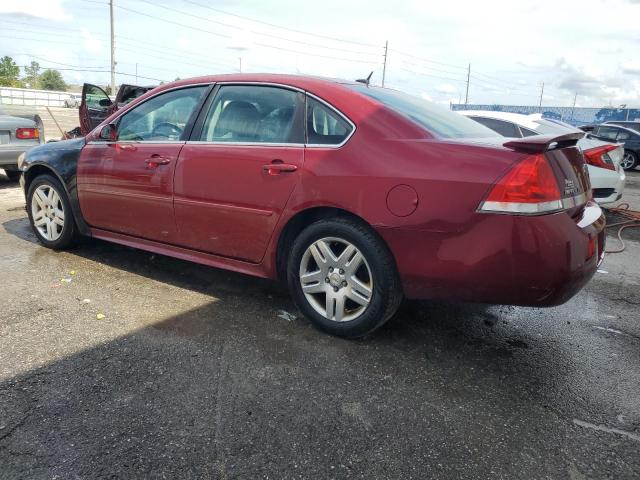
column 543, row 143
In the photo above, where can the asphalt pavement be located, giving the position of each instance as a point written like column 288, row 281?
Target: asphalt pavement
column 116, row 363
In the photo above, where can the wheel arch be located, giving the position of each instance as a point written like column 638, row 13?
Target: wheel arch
column 37, row 169
column 303, row 219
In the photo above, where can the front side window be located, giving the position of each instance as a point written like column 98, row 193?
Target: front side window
column 96, row 98
column 254, row 114
column 435, row 119
column 325, row 126
column 161, row 118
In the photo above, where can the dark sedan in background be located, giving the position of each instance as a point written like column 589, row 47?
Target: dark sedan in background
column 631, row 139
column 17, row 135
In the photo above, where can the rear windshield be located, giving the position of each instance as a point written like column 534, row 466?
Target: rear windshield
column 437, row 120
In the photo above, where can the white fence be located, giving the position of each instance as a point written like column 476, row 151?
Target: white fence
column 25, row 96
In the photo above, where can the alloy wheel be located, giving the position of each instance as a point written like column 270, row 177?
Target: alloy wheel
column 336, row 279
column 47, row 211
column 628, row 160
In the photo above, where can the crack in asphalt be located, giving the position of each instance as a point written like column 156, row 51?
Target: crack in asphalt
column 603, row 428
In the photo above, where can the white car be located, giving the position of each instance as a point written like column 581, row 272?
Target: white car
column 603, row 158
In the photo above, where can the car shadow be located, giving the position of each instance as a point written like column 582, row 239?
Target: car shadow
column 229, row 389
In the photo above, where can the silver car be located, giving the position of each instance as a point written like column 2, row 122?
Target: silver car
column 17, row 135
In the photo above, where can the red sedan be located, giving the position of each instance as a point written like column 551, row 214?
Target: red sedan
column 356, row 196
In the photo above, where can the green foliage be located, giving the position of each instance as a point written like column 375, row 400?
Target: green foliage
column 9, row 72
column 32, row 75
column 52, row 80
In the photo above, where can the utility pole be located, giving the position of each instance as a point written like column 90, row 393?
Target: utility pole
column 541, row 93
column 240, row 59
column 466, row 97
column 575, row 97
column 113, row 52
column 136, row 73
column 384, row 65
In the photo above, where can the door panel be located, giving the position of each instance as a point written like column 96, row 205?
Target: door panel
column 124, row 187
column 227, row 199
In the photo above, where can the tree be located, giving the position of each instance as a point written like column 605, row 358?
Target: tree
column 52, row 80
column 31, row 74
column 9, row 72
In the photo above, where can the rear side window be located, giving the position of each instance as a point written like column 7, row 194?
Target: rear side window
column 506, row 129
column 608, row 132
column 254, row 114
column 435, row 119
column 325, row 126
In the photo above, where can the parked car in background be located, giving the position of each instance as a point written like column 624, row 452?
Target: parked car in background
column 631, row 125
column 96, row 105
column 73, row 101
column 630, row 139
column 603, row 157
column 17, row 135
column 355, row 196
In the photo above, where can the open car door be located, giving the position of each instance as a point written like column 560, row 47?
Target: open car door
column 95, row 106
column 128, row 93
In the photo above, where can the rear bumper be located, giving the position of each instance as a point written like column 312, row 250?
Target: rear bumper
column 608, row 185
column 9, row 155
column 502, row 259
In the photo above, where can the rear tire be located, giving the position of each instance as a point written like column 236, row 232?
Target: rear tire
column 50, row 213
column 630, row 160
column 343, row 278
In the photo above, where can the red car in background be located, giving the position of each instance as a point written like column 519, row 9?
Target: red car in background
column 356, row 196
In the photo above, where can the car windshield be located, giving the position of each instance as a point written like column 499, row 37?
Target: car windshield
column 438, row 120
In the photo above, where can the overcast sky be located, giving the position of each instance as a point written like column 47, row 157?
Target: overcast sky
column 588, row 47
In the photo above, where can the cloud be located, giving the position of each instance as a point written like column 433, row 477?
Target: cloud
column 47, row 9
column 446, row 88
column 91, row 43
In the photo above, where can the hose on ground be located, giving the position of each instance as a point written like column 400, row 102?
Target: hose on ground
column 633, row 221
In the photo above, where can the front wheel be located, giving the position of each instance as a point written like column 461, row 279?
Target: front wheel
column 629, row 161
column 50, row 213
column 343, row 277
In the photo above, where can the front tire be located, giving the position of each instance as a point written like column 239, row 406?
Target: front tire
column 50, row 213
column 343, row 277
column 630, row 160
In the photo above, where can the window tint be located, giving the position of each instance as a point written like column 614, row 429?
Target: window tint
column 607, row 132
column 247, row 113
column 435, row 119
column 325, row 126
column 163, row 117
column 506, row 129
column 96, row 98
column 527, row 133
column 622, row 135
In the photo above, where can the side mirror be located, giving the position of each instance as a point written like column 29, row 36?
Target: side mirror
column 109, row 133
column 105, row 102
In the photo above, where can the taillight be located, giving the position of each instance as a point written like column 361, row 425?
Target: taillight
column 27, row 133
column 599, row 156
column 530, row 187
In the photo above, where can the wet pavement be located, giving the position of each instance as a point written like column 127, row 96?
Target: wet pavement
column 122, row 364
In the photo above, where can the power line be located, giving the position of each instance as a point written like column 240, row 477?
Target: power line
column 281, row 27
column 278, row 37
column 426, row 60
column 256, row 43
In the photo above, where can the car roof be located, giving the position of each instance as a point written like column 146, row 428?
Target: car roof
column 300, row 81
column 527, row 121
